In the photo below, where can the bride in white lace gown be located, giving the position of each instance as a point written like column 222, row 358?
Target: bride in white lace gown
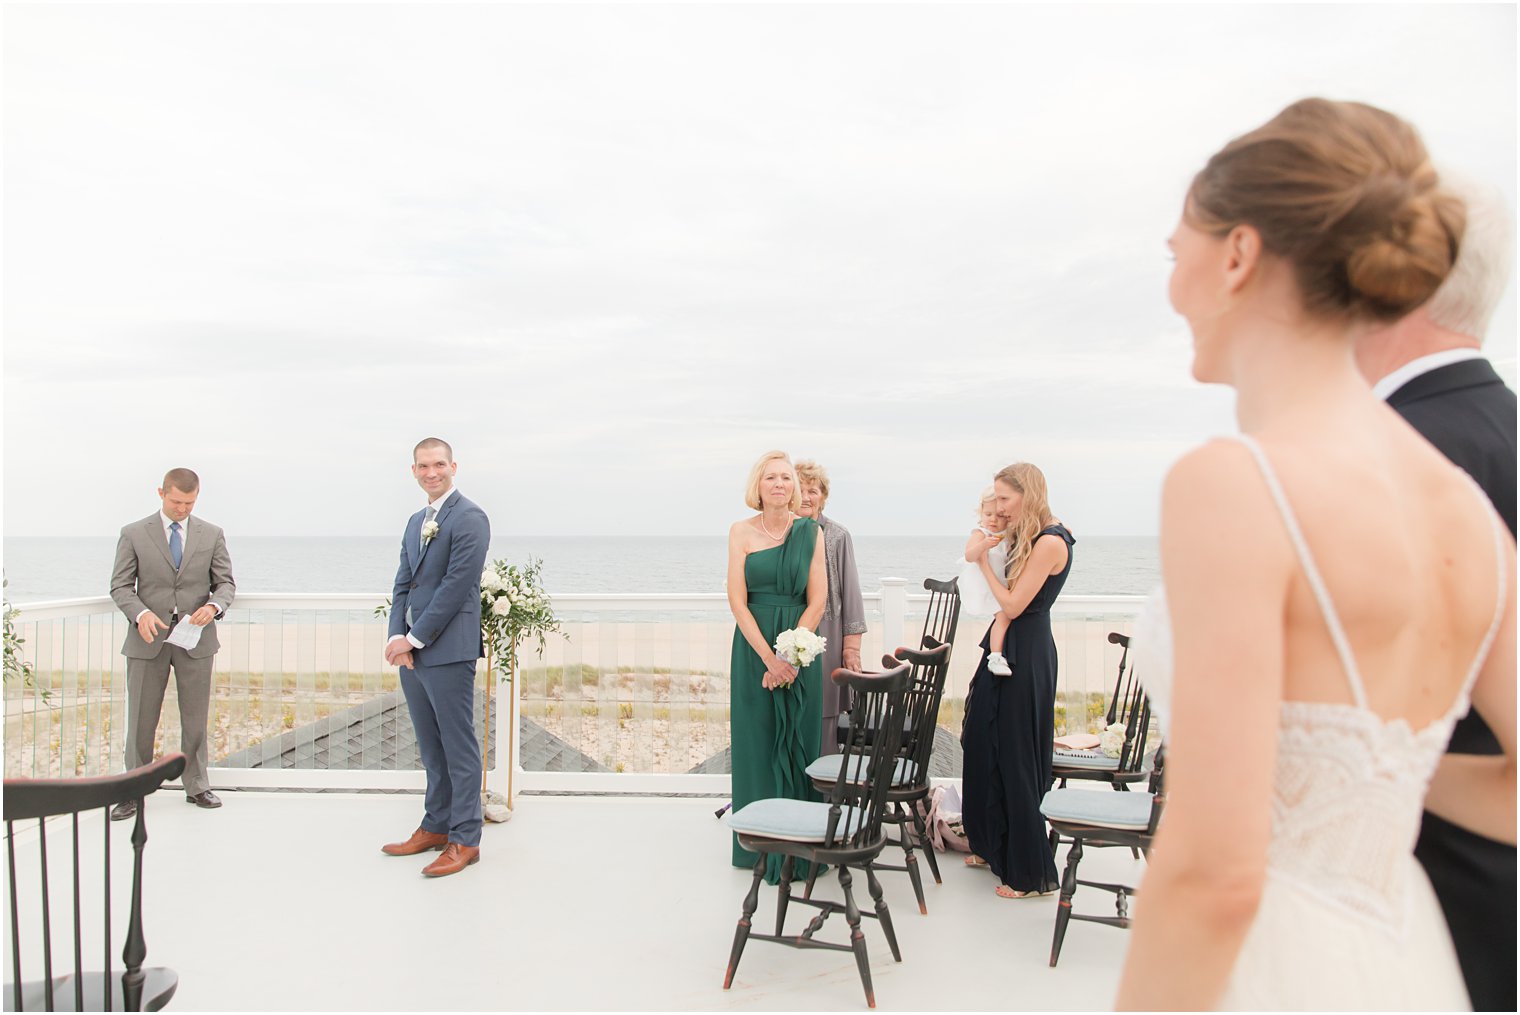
column 1336, row 593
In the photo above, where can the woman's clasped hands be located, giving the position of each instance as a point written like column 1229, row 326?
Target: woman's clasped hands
column 778, row 674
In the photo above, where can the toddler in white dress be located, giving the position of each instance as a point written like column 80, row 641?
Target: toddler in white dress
column 975, row 595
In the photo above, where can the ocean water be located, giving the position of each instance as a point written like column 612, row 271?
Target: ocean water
column 44, row 568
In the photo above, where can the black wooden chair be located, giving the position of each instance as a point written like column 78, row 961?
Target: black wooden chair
column 941, row 618
column 1092, row 817
column 132, row 989
column 944, row 612
column 1128, row 705
column 1131, row 707
column 845, row 830
column 910, row 783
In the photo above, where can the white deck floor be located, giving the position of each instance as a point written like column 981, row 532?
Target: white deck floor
column 283, row 901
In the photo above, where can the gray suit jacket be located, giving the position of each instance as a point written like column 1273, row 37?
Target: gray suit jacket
column 144, row 578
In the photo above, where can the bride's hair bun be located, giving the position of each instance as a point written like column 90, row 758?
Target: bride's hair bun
column 1403, row 264
column 1346, row 192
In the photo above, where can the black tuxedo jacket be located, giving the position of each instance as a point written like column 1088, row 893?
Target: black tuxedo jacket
column 1465, row 410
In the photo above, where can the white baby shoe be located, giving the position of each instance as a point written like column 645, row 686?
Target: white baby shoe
column 997, row 665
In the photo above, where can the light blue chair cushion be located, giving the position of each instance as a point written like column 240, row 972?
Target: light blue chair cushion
column 1095, row 760
column 792, row 820
column 1100, row 808
column 827, row 768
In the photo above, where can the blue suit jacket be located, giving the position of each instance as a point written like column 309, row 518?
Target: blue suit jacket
column 440, row 584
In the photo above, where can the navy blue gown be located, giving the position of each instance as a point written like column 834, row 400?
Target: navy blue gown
column 1010, row 726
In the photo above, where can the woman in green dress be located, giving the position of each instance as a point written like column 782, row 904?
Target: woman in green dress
column 776, row 582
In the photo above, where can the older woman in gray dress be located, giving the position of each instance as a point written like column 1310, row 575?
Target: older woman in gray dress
column 844, row 619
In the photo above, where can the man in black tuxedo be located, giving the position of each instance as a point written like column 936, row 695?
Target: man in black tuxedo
column 1429, row 368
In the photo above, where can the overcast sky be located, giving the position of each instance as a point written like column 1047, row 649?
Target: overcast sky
column 614, row 253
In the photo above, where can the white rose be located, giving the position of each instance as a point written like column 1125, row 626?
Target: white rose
column 429, row 530
column 1111, row 741
column 809, row 646
column 502, row 606
column 786, row 646
column 490, row 580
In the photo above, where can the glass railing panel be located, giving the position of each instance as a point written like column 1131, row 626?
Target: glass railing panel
column 233, row 688
column 638, row 685
column 22, row 699
column 299, row 698
column 717, row 641
column 377, row 691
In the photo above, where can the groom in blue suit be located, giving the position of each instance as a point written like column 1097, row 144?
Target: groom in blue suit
column 435, row 640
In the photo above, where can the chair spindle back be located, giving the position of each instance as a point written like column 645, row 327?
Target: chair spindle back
column 40, row 799
column 1130, row 706
column 943, row 614
column 857, row 799
column 930, row 666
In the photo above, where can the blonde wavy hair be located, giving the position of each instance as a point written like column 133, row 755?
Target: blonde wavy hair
column 809, row 471
column 988, row 494
column 1034, row 515
column 752, row 488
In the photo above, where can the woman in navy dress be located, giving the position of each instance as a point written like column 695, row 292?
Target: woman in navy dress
column 1010, row 721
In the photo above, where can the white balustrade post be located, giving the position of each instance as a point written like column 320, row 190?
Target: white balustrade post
column 894, row 609
column 501, row 690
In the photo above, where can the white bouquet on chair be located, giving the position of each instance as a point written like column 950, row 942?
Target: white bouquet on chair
column 1111, row 742
column 800, row 646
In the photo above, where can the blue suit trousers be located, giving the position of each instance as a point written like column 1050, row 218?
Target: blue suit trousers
column 442, row 703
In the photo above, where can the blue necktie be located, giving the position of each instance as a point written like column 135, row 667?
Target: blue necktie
column 176, row 545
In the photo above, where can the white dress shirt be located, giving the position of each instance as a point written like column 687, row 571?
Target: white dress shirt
column 432, row 504
column 1424, row 365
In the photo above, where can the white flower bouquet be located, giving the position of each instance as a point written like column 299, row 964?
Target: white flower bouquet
column 799, row 646
column 513, row 607
column 1111, row 741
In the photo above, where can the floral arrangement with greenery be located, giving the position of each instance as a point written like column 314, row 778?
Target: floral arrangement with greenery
column 514, row 608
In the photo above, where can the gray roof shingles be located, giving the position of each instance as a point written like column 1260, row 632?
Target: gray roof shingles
column 377, row 735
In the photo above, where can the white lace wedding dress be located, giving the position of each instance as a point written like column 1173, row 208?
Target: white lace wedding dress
column 1347, row 919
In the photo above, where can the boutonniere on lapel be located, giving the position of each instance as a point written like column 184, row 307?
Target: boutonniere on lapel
column 429, row 530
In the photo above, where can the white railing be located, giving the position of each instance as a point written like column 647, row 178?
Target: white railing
column 632, row 699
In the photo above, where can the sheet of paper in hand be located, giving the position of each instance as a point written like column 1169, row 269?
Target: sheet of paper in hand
column 185, row 634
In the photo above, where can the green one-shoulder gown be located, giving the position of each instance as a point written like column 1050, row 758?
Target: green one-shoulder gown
column 775, row 733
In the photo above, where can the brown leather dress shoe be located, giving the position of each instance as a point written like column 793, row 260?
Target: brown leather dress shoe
column 420, row 842
column 454, row 859
column 123, row 811
column 208, row 800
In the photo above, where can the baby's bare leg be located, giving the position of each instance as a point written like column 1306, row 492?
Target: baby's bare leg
column 999, row 631
column 998, row 637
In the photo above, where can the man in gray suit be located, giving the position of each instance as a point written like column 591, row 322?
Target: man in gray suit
column 169, row 568
column 435, row 640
